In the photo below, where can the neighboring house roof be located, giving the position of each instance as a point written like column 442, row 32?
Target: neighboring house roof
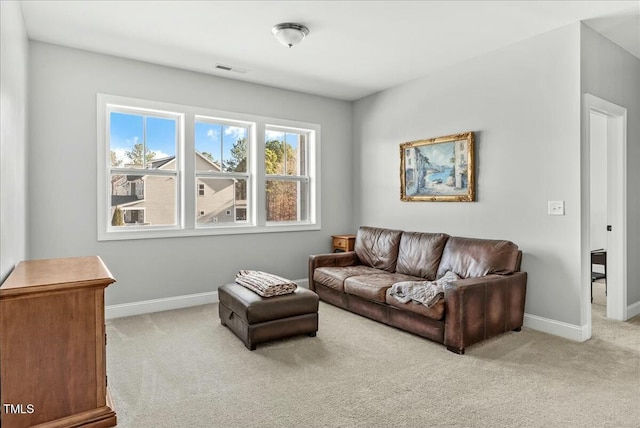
column 214, row 166
column 162, row 162
column 159, row 163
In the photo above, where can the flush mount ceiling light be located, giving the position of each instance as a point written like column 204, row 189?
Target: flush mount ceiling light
column 290, row 34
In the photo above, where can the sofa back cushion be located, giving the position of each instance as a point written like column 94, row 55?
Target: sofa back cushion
column 420, row 253
column 377, row 247
column 469, row 257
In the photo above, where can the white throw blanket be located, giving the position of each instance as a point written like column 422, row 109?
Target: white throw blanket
column 424, row 292
column 265, row 284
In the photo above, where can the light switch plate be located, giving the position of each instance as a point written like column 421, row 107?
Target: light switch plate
column 556, row 207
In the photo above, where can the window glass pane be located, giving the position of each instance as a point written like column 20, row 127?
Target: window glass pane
column 220, row 147
column 285, row 153
column 160, row 143
column 208, row 142
column 286, row 200
column 295, row 154
column 234, row 149
column 274, row 152
column 126, row 140
column 142, row 200
column 292, row 154
column 138, row 141
column 221, row 200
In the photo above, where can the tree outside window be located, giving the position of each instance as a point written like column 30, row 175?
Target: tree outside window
column 286, row 184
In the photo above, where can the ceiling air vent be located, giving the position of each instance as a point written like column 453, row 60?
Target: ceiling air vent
column 231, row 68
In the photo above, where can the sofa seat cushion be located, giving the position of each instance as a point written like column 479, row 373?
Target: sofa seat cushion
column 374, row 286
column 435, row 312
column 333, row 277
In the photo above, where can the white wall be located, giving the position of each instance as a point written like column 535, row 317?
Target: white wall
column 598, row 184
column 523, row 102
column 13, row 136
column 611, row 73
column 62, row 170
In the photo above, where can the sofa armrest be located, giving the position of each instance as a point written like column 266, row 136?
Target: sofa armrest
column 348, row 258
column 479, row 308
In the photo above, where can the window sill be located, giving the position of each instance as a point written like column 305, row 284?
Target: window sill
column 121, row 235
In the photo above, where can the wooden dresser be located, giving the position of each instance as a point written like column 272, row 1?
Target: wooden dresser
column 53, row 345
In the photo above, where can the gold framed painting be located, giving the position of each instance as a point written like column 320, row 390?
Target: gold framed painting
column 438, row 169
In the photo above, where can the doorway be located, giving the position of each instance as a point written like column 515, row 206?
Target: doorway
column 606, row 143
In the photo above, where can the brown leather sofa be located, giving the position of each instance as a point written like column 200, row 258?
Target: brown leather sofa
column 487, row 301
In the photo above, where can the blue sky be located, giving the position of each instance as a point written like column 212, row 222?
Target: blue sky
column 217, row 139
column 128, row 130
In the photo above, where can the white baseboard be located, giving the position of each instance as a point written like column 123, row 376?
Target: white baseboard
column 157, row 305
column 633, row 310
column 569, row 331
column 169, row 303
column 557, row 328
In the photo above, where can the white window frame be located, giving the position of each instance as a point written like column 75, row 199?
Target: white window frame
column 250, row 126
column 105, row 169
column 305, row 178
column 187, row 192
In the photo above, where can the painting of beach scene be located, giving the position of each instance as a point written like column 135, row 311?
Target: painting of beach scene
column 438, row 169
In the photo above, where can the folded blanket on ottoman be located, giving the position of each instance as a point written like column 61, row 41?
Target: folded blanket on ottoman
column 265, row 284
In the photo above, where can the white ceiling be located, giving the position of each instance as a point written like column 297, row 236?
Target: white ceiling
column 355, row 48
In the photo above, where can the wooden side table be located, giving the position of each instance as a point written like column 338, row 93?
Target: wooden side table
column 342, row 243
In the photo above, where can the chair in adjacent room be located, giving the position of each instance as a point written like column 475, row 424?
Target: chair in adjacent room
column 598, row 257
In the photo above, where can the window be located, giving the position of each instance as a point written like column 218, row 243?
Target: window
column 287, row 182
column 133, row 216
column 221, row 165
column 241, row 214
column 142, row 167
column 174, row 170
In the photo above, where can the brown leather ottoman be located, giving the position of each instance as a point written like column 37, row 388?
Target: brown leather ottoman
column 255, row 319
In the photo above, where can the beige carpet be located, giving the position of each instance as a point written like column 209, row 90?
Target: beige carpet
column 183, row 369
